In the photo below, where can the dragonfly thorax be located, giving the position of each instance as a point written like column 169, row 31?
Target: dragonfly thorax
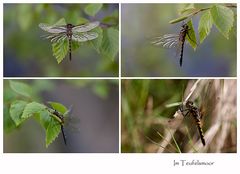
column 69, row 30
column 59, row 115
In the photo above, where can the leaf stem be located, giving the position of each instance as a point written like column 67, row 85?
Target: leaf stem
column 208, row 8
column 201, row 10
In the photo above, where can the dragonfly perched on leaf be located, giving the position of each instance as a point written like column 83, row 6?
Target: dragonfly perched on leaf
column 63, row 120
column 177, row 40
column 70, row 32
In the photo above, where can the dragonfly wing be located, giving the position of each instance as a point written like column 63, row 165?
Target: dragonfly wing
column 167, row 41
column 56, row 37
column 83, row 37
column 85, row 27
column 71, row 121
column 179, row 47
column 52, row 29
column 176, row 121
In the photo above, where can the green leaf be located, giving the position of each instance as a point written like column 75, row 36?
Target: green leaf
column 109, row 46
column 223, row 18
column 191, row 37
column 21, row 88
column 60, row 50
column 75, row 45
column 96, row 43
column 52, row 132
column 178, row 19
column 8, row 123
column 205, row 25
column 58, row 106
column 16, row 111
column 33, row 108
column 93, row 9
column 43, row 118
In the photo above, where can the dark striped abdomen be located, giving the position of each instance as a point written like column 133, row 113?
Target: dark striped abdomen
column 198, row 123
column 69, row 35
column 182, row 40
column 64, row 136
column 70, row 48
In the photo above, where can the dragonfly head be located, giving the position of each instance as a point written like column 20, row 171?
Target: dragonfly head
column 70, row 26
column 185, row 26
column 189, row 104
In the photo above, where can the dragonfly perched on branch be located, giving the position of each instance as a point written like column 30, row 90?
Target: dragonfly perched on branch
column 201, row 89
column 70, row 32
column 190, row 109
column 176, row 40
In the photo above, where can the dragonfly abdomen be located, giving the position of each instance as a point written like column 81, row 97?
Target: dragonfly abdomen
column 181, row 54
column 198, row 123
column 182, row 37
column 64, row 136
column 70, row 47
column 69, row 35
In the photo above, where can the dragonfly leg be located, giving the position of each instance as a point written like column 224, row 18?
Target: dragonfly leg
column 185, row 114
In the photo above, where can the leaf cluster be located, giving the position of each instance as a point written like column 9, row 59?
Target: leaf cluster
column 19, row 106
column 220, row 15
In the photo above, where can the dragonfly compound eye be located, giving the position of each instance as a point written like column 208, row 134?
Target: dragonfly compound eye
column 70, row 25
column 189, row 103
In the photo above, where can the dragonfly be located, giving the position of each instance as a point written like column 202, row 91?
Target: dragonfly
column 194, row 111
column 78, row 33
column 204, row 91
column 174, row 40
column 61, row 119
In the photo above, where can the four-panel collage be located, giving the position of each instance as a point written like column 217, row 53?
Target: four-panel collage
column 119, row 78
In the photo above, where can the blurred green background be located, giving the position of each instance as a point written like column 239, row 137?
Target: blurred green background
column 148, row 106
column 27, row 54
column 216, row 56
column 94, row 125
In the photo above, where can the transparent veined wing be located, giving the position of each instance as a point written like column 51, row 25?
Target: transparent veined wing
column 68, row 112
column 71, row 121
column 85, row 27
column 167, row 40
column 178, row 48
column 56, row 37
column 52, row 29
column 176, row 121
column 83, row 37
